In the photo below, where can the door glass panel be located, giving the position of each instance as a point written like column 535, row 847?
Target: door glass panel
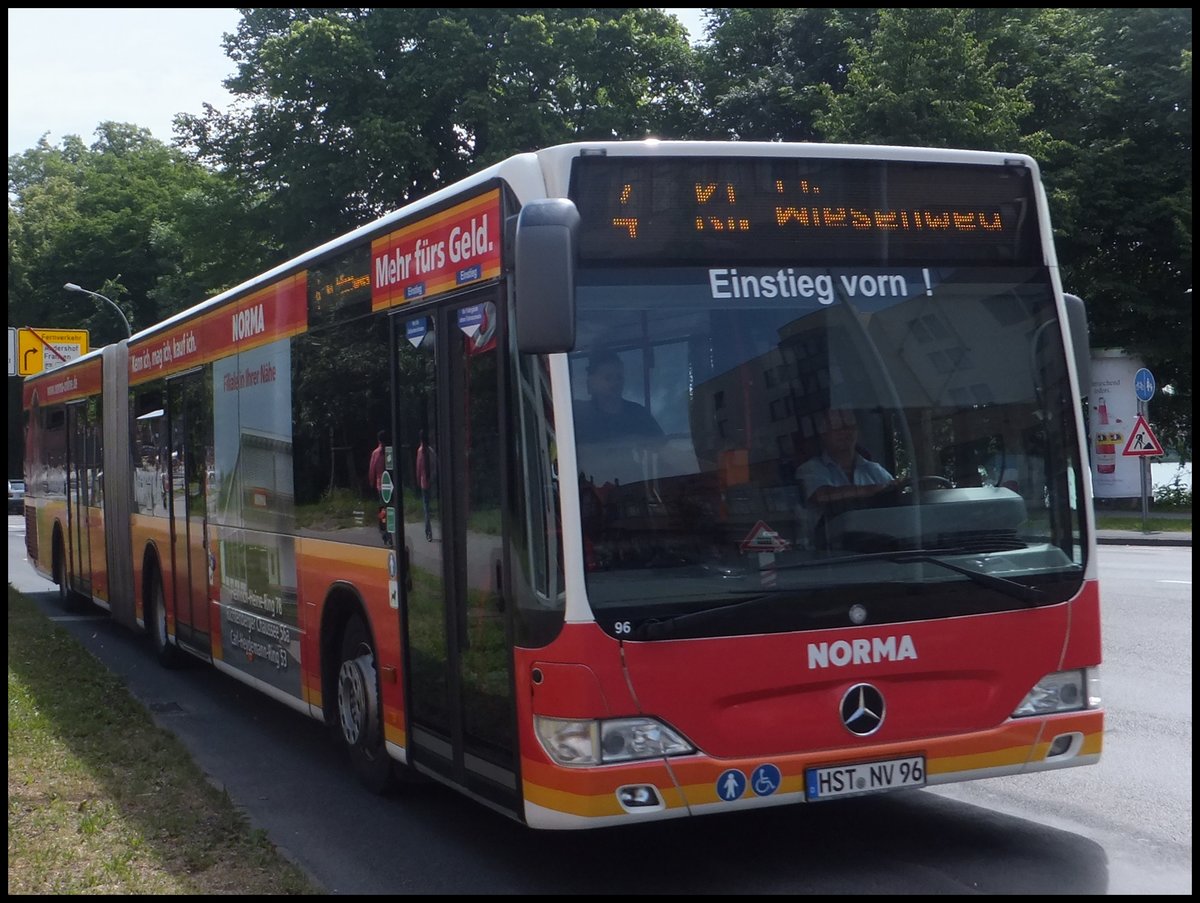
column 78, row 497
column 487, row 697
column 419, row 465
column 190, row 466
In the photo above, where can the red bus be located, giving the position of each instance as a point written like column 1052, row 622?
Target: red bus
column 621, row 481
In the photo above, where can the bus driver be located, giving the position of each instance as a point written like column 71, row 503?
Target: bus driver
column 840, row 473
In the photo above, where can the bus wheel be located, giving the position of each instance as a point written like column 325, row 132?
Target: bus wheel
column 66, row 597
column 168, row 655
column 359, row 722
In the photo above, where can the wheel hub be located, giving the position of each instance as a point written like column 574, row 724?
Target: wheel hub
column 356, row 698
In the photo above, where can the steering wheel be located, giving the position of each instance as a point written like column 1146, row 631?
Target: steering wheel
column 926, row 481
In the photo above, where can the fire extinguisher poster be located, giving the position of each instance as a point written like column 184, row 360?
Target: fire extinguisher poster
column 1112, row 412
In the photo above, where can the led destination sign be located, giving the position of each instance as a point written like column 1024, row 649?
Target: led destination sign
column 803, row 211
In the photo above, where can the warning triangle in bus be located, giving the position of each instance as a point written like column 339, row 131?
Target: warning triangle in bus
column 1142, row 441
column 763, row 539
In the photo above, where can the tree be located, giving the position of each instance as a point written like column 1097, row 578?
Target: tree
column 113, row 218
column 924, row 77
column 767, row 73
column 344, row 114
column 1129, row 252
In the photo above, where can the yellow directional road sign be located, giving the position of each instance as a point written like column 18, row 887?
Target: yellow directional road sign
column 39, row 350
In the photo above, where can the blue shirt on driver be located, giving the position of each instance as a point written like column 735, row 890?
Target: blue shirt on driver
column 823, row 471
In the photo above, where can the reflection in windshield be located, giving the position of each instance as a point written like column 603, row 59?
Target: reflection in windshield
column 722, row 441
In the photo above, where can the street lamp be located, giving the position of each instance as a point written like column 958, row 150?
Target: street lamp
column 72, row 287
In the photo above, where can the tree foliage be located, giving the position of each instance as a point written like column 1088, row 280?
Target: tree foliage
column 128, row 217
column 344, row 114
column 767, row 74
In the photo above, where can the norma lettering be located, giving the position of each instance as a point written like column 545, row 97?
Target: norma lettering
column 861, row 652
column 248, row 323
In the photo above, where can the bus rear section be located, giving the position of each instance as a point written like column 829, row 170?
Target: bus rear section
column 842, row 545
column 75, row 516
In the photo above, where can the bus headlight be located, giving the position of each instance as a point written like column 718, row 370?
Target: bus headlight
column 595, row 742
column 1062, row 691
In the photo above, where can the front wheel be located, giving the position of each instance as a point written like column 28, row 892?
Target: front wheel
column 359, row 717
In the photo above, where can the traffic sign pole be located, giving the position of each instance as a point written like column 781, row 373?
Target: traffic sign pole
column 1145, row 473
column 1143, row 388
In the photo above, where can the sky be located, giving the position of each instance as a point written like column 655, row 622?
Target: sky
column 71, row 69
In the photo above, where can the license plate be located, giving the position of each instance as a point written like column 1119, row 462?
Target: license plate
column 864, row 777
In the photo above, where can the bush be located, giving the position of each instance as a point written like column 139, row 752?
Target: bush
column 1174, row 496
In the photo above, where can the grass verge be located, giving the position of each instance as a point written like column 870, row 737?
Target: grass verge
column 100, row 799
column 1130, row 520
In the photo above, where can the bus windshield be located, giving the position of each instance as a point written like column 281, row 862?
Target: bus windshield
column 761, row 448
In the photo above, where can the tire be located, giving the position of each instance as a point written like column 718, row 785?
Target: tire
column 359, row 722
column 165, row 651
column 66, row 597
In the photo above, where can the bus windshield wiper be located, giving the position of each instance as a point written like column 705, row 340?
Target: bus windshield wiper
column 1013, row 588
column 662, row 628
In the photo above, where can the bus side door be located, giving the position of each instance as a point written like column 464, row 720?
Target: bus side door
column 458, row 650
column 79, row 468
column 190, row 430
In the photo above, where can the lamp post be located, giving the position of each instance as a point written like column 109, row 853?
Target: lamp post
column 72, row 287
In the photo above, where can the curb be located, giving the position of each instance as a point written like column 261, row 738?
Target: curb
column 1146, row 539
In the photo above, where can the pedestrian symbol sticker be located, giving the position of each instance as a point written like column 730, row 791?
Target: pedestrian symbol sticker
column 731, row 785
column 1142, row 442
column 765, row 780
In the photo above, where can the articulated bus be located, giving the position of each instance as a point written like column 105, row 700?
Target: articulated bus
column 622, row 481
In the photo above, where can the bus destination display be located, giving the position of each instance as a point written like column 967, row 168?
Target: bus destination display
column 803, row 210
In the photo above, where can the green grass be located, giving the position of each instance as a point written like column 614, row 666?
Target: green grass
column 102, row 801
column 1132, row 520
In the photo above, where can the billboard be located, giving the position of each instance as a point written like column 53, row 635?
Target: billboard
column 1112, row 413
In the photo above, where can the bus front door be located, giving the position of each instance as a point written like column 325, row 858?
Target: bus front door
column 190, row 426
column 449, row 467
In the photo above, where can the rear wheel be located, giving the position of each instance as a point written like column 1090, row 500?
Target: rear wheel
column 359, row 716
column 165, row 651
column 66, row 596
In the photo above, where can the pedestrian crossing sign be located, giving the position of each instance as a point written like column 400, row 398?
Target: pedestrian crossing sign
column 1142, row 441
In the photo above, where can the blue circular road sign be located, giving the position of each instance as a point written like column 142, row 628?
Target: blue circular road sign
column 1143, row 384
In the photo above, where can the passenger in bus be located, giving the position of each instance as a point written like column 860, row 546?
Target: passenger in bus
column 426, row 465
column 607, row 415
column 839, row 473
column 375, row 478
column 618, row 441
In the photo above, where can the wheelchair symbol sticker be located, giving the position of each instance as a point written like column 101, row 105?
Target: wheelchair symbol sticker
column 731, row 785
column 765, row 780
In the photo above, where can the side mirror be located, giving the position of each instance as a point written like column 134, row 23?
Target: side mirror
column 1080, row 341
column 544, row 291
